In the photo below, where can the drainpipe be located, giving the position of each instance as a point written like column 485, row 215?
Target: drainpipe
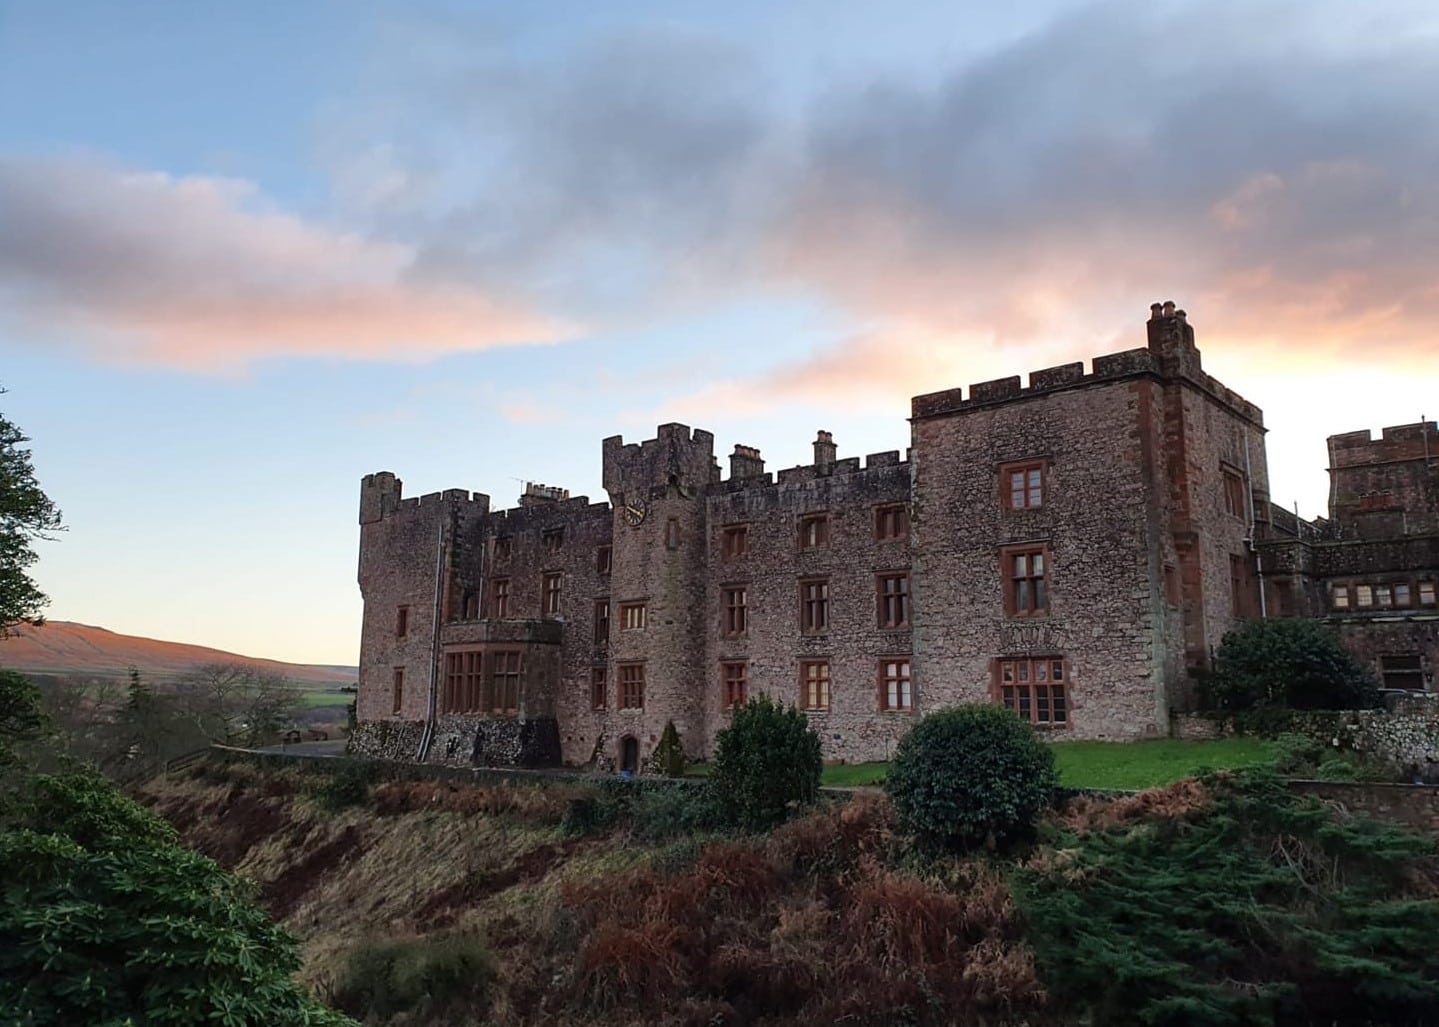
column 429, row 733
column 1258, row 560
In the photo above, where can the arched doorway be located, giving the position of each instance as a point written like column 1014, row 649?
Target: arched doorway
column 630, row 754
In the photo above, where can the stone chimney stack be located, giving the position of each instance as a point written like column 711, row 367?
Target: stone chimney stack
column 825, row 450
column 1171, row 339
column 745, row 462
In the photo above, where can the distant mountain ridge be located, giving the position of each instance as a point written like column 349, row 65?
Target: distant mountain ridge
column 64, row 647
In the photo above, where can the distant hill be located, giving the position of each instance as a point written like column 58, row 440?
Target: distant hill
column 63, row 647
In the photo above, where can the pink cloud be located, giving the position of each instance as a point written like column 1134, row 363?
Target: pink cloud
column 204, row 273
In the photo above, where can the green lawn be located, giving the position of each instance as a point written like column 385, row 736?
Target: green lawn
column 327, row 698
column 1109, row 764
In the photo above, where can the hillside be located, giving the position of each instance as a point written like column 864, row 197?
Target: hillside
column 561, row 903
column 64, row 647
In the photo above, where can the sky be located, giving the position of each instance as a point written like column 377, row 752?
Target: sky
column 252, row 252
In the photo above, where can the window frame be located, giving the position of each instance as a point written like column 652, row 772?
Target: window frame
column 599, row 688
column 903, row 683
column 1335, row 594
column 734, row 617
column 885, row 600
column 891, row 522
column 397, row 689
column 1388, row 673
column 552, row 540
column 1026, row 706
column 464, row 682
column 734, row 542
column 1426, row 594
column 500, row 596
column 808, row 605
column 734, row 683
column 602, row 622
column 503, row 547
column 1233, row 485
column 551, row 586
column 633, row 605
column 815, row 524
column 1039, row 597
column 604, row 560
column 820, row 682
column 634, row 670
column 496, row 692
column 1006, row 485
column 402, row 620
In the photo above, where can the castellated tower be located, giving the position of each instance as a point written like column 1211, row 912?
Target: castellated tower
column 657, row 586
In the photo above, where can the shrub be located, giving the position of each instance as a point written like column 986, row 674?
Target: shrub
column 425, row 976
column 669, row 754
column 766, row 762
column 677, row 810
column 348, row 786
column 970, row 775
column 1261, row 907
column 104, row 918
column 1296, row 753
column 1287, row 663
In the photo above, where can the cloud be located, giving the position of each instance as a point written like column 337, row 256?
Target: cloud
column 200, row 272
column 1269, row 166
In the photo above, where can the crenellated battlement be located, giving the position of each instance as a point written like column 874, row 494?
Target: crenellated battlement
column 677, row 455
column 382, row 495
column 523, row 516
column 1416, row 441
column 1170, row 355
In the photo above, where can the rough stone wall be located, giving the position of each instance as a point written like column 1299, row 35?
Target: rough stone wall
column 662, row 565
column 1414, row 806
column 1388, row 485
column 400, row 552
column 855, row 728
column 1372, row 638
column 1104, row 558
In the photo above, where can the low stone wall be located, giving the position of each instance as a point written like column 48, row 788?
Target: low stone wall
column 462, row 741
column 396, row 741
column 1414, row 806
column 1405, row 736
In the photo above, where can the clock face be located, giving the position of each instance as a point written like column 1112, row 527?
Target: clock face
column 634, row 512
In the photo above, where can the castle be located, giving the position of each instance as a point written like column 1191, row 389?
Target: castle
column 1073, row 547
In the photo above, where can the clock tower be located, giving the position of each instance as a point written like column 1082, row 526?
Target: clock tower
column 657, row 489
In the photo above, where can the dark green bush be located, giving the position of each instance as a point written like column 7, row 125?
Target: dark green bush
column 105, row 919
column 766, row 763
column 425, row 976
column 669, row 754
column 344, row 787
column 1259, row 908
column 681, row 809
column 1287, row 663
column 1296, row 754
column 970, row 775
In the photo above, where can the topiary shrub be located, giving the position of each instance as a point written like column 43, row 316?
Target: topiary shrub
column 970, row 775
column 1287, row 663
column 669, row 754
column 766, row 762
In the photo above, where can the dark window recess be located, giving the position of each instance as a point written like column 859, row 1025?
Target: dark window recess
column 1404, row 672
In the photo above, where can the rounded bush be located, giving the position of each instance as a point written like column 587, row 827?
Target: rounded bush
column 766, row 761
column 1288, row 663
column 970, row 775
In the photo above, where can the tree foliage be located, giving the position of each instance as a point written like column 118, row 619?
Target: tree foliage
column 1287, row 663
column 970, row 775
column 766, row 762
column 669, row 755
column 26, row 514
column 1261, row 908
column 20, row 716
column 105, row 918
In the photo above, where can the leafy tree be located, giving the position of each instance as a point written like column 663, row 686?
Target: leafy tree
column 106, row 919
column 26, row 514
column 766, row 761
column 20, row 716
column 1288, row 663
column 1260, row 908
column 149, row 729
column 970, row 775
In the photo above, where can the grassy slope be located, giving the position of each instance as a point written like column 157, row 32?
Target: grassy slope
column 809, row 925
